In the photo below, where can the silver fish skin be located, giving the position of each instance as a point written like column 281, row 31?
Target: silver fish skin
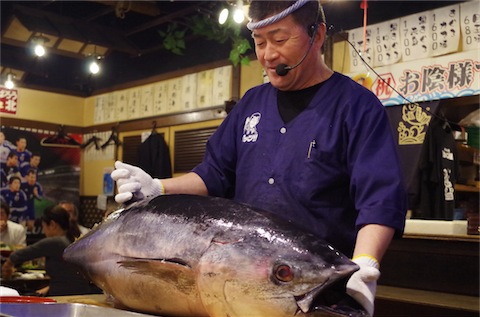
column 186, row 255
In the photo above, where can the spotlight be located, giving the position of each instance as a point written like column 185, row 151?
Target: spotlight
column 94, row 64
column 222, row 18
column 39, row 45
column 39, row 50
column 9, row 84
column 94, row 67
column 238, row 15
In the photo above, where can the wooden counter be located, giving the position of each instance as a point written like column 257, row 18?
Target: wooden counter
column 422, row 275
column 90, row 299
column 430, row 275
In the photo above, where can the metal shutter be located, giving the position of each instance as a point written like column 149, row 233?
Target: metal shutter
column 190, row 148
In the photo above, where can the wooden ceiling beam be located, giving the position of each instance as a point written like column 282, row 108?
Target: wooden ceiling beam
column 143, row 7
column 163, row 19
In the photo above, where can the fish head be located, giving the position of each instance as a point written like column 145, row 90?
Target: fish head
column 273, row 274
column 126, row 257
column 91, row 252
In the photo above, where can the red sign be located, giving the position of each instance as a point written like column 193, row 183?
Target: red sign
column 383, row 88
column 8, row 100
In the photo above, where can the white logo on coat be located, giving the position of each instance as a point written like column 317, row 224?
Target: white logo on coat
column 250, row 133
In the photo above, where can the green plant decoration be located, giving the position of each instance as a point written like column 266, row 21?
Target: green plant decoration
column 205, row 26
column 173, row 39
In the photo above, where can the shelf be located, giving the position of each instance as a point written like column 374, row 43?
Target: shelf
column 468, row 154
column 466, row 188
column 429, row 298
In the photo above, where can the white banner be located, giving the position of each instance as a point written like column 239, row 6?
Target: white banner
column 442, row 77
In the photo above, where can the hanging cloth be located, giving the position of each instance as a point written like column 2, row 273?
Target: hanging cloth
column 154, row 156
column 438, row 172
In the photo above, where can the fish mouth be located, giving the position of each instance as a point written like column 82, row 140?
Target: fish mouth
column 331, row 300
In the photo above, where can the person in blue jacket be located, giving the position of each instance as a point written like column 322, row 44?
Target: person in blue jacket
column 311, row 145
column 34, row 191
column 17, row 200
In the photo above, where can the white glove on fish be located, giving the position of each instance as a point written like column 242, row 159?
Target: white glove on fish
column 133, row 182
column 362, row 285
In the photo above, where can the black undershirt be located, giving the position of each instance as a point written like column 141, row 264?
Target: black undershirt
column 292, row 103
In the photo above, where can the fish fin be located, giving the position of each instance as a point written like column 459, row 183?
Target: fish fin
column 160, row 268
column 225, row 241
column 139, row 262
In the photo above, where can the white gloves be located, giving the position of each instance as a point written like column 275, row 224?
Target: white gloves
column 362, row 285
column 133, row 182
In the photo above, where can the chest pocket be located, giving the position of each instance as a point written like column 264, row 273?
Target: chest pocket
column 319, row 173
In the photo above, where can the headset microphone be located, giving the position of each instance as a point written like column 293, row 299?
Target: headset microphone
column 283, row 69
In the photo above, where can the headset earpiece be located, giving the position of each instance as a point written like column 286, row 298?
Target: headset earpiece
column 312, row 29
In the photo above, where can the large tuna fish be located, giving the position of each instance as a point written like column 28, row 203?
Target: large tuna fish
column 189, row 255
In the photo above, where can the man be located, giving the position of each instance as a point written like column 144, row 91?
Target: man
column 10, row 168
column 33, row 164
column 16, row 200
column 5, row 148
column 72, row 210
column 21, row 150
column 11, row 233
column 33, row 190
column 312, row 146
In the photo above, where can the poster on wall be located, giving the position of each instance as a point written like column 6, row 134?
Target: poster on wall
column 470, row 25
column 48, row 167
column 8, row 100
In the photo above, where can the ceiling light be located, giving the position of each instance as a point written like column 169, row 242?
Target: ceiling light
column 9, row 84
column 39, row 50
column 39, row 45
column 222, row 18
column 94, row 64
column 94, row 67
column 238, row 15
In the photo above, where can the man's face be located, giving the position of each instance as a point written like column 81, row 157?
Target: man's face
column 2, row 137
column 3, row 215
column 35, row 161
column 12, row 161
column 283, row 42
column 15, row 185
column 21, row 144
column 31, row 178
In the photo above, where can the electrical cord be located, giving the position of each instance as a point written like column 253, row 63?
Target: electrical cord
column 453, row 125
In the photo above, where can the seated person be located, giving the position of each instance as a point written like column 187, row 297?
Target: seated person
column 72, row 209
column 11, row 233
column 64, row 278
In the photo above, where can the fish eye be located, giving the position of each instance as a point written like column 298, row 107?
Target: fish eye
column 284, row 273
